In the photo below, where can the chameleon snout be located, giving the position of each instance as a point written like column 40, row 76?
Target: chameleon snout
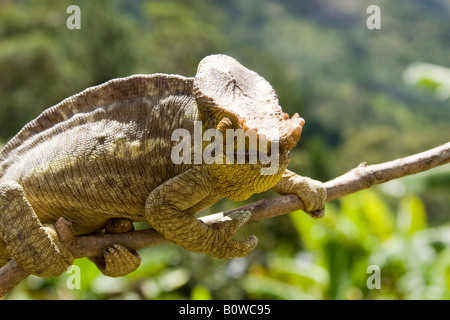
column 293, row 132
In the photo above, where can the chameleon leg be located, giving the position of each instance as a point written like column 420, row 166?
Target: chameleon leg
column 35, row 247
column 3, row 253
column 117, row 260
column 167, row 210
column 312, row 192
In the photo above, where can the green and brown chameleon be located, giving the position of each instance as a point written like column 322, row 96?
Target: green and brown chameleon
column 105, row 153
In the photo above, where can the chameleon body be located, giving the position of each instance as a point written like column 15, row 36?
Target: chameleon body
column 105, row 153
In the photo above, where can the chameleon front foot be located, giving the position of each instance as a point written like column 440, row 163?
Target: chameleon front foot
column 317, row 214
column 312, row 192
column 223, row 246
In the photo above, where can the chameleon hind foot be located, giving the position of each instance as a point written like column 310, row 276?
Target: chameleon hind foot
column 117, row 260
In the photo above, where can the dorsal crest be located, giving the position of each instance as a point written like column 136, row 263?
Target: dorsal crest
column 155, row 86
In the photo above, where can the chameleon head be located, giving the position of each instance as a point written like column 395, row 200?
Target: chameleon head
column 235, row 97
column 240, row 98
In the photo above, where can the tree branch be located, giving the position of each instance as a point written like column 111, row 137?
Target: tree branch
column 359, row 178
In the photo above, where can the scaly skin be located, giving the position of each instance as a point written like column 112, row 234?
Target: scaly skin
column 106, row 154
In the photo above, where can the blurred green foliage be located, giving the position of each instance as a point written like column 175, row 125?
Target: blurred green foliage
column 331, row 263
column 344, row 79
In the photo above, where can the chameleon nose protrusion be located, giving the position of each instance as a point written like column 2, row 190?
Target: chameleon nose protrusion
column 300, row 120
column 244, row 125
column 293, row 132
column 293, row 136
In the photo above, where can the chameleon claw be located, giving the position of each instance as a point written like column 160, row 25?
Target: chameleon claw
column 298, row 119
column 245, row 126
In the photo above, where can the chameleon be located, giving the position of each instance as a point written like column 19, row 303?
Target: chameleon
column 106, row 154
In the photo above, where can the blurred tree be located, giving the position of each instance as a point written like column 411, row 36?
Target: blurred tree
column 323, row 63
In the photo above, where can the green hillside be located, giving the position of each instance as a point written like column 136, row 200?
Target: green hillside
column 351, row 85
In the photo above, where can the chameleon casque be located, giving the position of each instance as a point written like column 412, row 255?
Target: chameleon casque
column 105, row 154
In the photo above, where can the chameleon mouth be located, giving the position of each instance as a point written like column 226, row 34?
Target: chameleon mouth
column 290, row 134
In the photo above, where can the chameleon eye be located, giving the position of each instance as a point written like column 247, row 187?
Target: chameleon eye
column 224, row 124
